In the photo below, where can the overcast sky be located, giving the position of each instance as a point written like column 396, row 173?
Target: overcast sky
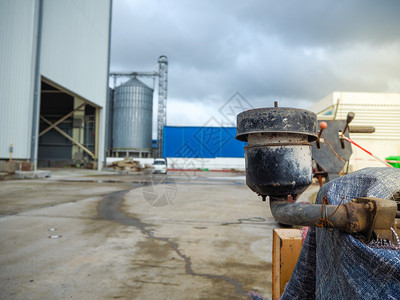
column 295, row 51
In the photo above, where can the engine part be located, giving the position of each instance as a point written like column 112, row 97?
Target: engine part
column 368, row 218
column 330, row 157
column 278, row 164
column 278, row 154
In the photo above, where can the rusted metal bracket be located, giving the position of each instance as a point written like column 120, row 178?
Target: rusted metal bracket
column 381, row 214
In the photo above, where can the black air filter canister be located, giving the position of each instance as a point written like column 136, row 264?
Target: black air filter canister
column 278, row 154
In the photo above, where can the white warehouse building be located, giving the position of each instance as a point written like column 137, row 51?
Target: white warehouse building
column 380, row 110
column 54, row 57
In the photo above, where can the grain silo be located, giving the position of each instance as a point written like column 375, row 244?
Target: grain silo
column 132, row 119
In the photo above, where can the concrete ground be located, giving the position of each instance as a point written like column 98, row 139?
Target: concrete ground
column 95, row 235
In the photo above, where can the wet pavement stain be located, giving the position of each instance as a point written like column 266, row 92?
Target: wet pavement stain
column 109, row 209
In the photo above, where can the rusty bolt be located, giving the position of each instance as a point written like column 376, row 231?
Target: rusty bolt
column 370, row 206
column 354, row 226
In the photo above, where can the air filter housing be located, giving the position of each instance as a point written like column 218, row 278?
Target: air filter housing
column 278, row 154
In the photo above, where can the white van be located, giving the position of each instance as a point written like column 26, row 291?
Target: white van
column 160, row 166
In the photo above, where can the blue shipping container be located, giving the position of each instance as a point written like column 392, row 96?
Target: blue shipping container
column 201, row 142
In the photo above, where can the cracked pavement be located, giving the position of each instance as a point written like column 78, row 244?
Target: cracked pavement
column 185, row 236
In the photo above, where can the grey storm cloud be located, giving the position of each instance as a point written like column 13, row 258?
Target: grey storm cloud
column 295, row 51
column 325, row 22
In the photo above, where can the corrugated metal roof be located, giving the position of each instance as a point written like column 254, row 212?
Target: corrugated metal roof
column 135, row 82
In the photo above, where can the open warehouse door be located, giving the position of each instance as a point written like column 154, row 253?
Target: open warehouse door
column 68, row 132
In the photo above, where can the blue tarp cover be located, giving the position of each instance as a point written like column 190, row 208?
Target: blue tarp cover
column 337, row 265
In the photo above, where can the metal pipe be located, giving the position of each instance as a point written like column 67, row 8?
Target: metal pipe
column 106, row 112
column 36, row 96
column 351, row 217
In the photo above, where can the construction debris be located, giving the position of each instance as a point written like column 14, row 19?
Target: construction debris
column 128, row 164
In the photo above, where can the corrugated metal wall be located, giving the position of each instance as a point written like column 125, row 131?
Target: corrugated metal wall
column 74, row 55
column 75, row 46
column 380, row 110
column 384, row 115
column 201, row 142
column 385, row 119
column 17, row 53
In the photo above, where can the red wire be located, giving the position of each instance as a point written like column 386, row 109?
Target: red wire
column 351, row 141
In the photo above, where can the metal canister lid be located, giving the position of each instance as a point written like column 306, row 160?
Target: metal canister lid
column 277, row 120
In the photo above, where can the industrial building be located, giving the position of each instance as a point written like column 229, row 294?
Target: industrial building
column 200, row 147
column 201, row 142
column 195, row 147
column 380, row 110
column 54, row 77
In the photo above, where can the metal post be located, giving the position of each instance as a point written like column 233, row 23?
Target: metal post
column 162, row 101
column 36, row 96
column 108, row 100
column 96, row 135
